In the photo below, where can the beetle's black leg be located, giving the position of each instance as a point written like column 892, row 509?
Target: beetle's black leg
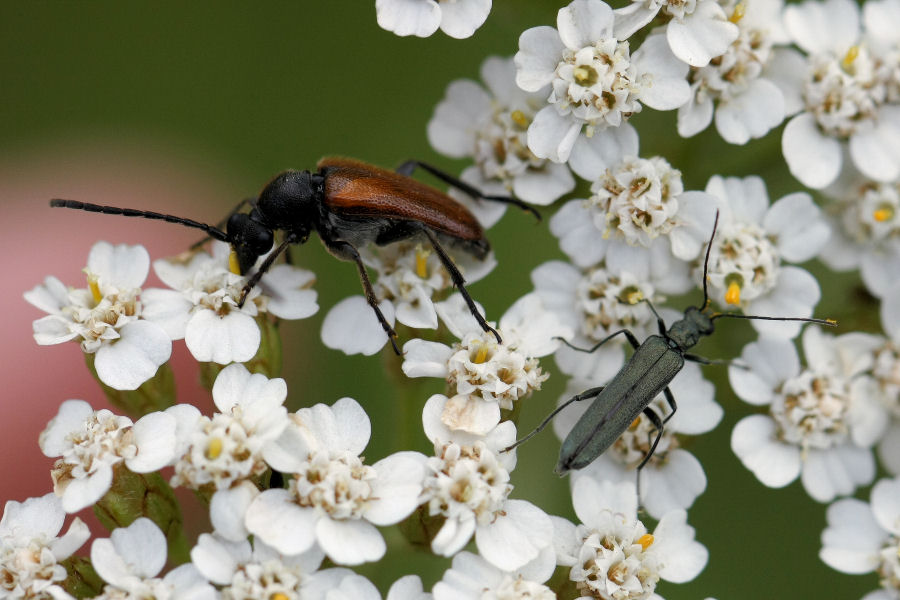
column 346, row 251
column 585, row 395
column 631, row 340
column 458, row 281
column 670, row 398
column 409, row 166
column 264, row 267
column 221, row 224
column 654, row 418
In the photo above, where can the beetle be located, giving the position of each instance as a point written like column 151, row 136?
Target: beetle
column 652, row 367
column 349, row 203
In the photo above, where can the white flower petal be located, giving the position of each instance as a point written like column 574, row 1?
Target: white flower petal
column 540, row 50
column 632, row 17
column 682, row 557
column 451, row 131
column 289, row 296
column 515, row 537
column 168, row 309
column 352, row 327
column 70, row 418
column 552, row 135
column 453, row 535
column 794, row 295
column 694, row 116
column 408, row 17
column 154, row 435
column 81, row 493
column 886, row 504
column 460, row 19
column 217, row 559
column 837, row 472
column 280, row 523
column 875, row 147
column 228, row 508
column 852, row 539
column 50, row 296
column 224, row 339
column 813, row 158
column 702, row 35
column 753, row 441
column 125, row 267
column 397, row 487
column 135, row 357
column 751, row 114
column 673, row 487
column 798, row 225
column 584, row 22
column 592, row 156
column 141, row 548
column 349, row 542
column 543, row 187
column 823, row 26
column 668, row 87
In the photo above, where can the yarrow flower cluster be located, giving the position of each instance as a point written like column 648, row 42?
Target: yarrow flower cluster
column 287, row 488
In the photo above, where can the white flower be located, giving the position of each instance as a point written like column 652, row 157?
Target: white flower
column 745, row 264
column 344, row 584
column 457, row 18
column 845, row 93
column 887, row 372
column 595, row 81
column 736, row 86
column 485, row 375
column 866, row 225
column 409, row 276
column 601, row 299
column 490, row 126
column 864, row 537
column 132, row 557
column 91, row 443
column 697, row 31
column 31, row 548
column 822, row 420
column 107, row 317
column 468, row 485
column 473, row 578
column 228, row 447
column 635, row 200
column 611, row 553
column 673, row 478
column 202, row 306
column 253, row 571
column 333, row 498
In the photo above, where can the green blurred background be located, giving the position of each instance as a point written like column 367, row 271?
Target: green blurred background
column 188, row 107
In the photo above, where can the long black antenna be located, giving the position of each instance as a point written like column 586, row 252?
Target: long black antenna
column 829, row 322
column 706, row 262
column 213, row 232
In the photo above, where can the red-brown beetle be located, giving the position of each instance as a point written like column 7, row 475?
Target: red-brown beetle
column 349, row 203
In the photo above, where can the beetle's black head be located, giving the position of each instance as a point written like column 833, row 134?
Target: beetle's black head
column 249, row 240
column 686, row 332
column 290, row 202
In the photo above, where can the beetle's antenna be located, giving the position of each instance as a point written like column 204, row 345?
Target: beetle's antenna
column 213, row 232
column 829, row 322
column 706, row 262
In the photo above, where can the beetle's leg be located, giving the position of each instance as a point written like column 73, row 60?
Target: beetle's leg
column 409, row 166
column 671, row 400
column 658, row 424
column 221, row 224
column 631, row 340
column 458, row 281
column 346, row 251
column 585, row 395
column 265, row 266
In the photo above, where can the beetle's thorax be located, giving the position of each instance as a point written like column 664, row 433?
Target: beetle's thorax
column 686, row 332
column 290, row 202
